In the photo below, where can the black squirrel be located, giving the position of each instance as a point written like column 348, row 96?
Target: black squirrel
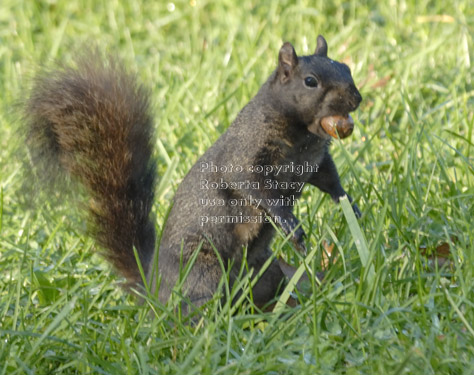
column 93, row 121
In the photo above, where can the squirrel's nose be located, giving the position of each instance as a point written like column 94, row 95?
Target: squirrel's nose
column 356, row 99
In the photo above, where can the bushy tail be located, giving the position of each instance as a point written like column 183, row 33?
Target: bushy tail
column 93, row 121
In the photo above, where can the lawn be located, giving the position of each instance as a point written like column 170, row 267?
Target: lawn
column 398, row 296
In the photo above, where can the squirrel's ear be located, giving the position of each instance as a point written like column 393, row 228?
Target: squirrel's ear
column 321, row 47
column 287, row 61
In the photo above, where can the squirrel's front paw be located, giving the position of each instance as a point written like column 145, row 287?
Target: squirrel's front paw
column 298, row 240
column 290, row 226
column 355, row 207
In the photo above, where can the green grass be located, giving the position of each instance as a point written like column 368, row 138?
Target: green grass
column 409, row 164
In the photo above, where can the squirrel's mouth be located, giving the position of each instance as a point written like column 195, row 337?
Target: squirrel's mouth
column 336, row 126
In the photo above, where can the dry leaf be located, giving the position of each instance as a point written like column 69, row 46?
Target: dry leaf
column 382, row 82
column 438, row 256
column 326, row 257
column 443, row 18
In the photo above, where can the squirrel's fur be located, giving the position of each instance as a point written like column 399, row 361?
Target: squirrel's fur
column 93, row 120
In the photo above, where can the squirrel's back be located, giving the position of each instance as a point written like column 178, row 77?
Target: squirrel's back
column 93, row 122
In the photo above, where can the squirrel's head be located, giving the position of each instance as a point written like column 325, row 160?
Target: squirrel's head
column 309, row 88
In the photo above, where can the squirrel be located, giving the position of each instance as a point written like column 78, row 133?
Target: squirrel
column 93, row 121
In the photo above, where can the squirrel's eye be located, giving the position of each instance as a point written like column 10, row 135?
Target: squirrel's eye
column 311, row 81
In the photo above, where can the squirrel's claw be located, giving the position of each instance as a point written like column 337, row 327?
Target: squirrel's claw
column 356, row 210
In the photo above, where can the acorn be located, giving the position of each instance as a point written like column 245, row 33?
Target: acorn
column 334, row 125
